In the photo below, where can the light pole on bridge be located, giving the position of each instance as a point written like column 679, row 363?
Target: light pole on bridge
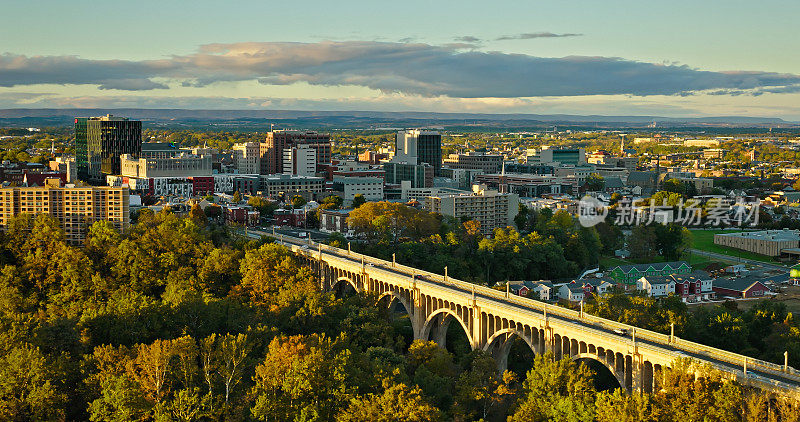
column 445, row 271
column 786, row 361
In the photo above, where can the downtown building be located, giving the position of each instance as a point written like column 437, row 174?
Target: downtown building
column 75, row 207
column 490, row 208
column 417, row 147
column 489, row 163
column 247, row 157
column 99, row 143
column 181, row 175
column 273, row 148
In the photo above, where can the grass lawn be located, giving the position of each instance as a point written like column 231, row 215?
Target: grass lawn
column 704, row 241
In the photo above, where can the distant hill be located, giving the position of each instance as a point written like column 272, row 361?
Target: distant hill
column 374, row 119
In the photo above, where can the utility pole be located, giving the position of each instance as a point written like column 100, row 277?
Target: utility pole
column 348, row 248
column 508, row 287
column 672, row 332
column 394, row 260
column 445, row 272
column 786, row 361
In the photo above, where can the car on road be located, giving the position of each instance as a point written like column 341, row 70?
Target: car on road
column 622, row 331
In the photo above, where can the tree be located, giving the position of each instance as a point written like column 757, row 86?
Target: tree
column 298, row 201
column 152, row 368
column 231, row 354
column 358, row 200
column 642, row 243
column 397, row 403
column 213, row 212
column 594, row 182
column 302, row 377
column 556, row 390
column 237, row 197
column 27, row 388
column 198, row 216
column 481, row 388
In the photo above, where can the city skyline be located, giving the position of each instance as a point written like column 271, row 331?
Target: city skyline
column 618, row 58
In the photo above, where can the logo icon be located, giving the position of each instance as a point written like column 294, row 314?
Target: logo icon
column 591, row 211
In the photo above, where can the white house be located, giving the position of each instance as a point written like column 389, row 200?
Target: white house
column 572, row 292
column 656, row 286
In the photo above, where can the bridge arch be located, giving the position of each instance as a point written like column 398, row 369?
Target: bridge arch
column 446, row 313
column 394, row 296
column 499, row 346
column 618, row 376
column 347, row 280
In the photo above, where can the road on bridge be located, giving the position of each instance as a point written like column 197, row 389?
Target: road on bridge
column 605, row 330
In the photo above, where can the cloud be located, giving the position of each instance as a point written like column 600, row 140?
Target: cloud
column 416, row 69
column 534, row 35
column 468, row 39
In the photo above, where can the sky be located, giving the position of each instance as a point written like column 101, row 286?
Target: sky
column 613, row 57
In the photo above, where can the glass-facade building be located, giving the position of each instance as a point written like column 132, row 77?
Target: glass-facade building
column 420, row 175
column 419, row 146
column 99, row 142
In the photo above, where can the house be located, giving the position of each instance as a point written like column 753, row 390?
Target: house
column 598, row 286
column 545, row 290
column 742, row 287
column 572, row 292
column 629, row 274
column 520, row 288
column 694, row 287
column 656, row 286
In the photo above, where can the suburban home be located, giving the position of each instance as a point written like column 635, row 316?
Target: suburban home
column 545, row 290
column 742, row 287
column 520, row 288
column 629, row 274
column 523, row 288
column 694, row 287
column 572, row 292
column 598, row 286
column 656, row 286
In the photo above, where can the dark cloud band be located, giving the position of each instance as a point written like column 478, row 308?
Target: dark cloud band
column 407, row 68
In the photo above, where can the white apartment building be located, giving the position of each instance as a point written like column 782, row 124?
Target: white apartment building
column 180, row 165
column 300, row 160
column 489, row 207
column 247, row 157
column 370, row 187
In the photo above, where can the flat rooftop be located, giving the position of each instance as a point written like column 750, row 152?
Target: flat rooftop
column 769, row 235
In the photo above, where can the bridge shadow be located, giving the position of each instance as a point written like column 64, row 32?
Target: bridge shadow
column 602, row 377
column 398, row 317
column 520, row 357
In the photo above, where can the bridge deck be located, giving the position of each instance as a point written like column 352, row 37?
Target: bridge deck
column 759, row 373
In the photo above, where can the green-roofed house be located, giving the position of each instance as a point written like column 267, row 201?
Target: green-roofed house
column 628, row 274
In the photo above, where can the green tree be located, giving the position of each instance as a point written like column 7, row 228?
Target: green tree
column 556, row 391
column 298, row 201
column 27, row 387
column 358, row 200
column 594, row 182
column 397, row 403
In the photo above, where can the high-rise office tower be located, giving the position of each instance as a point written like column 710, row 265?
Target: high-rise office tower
column 272, row 149
column 99, row 142
column 419, row 146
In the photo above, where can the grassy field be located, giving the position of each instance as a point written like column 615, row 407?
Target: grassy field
column 704, row 241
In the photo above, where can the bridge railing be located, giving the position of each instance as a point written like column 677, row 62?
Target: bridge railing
column 642, row 334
